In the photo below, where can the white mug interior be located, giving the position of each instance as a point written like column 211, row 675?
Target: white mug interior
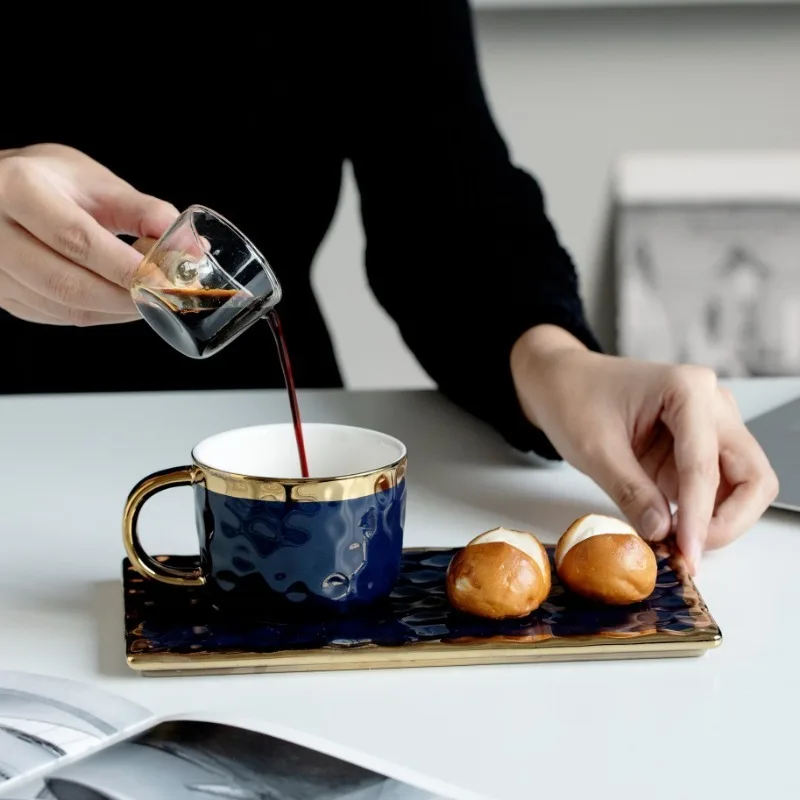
column 270, row 451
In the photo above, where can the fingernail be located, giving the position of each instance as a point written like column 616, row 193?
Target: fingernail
column 652, row 523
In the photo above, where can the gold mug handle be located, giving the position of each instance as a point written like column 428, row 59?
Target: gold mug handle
column 143, row 563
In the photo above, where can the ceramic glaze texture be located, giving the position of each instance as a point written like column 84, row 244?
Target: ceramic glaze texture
column 270, row 557
column 162, row 620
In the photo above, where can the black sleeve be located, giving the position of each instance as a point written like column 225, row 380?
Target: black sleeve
column 460, row 251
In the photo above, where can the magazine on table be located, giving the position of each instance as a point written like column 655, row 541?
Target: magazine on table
column 64, row 740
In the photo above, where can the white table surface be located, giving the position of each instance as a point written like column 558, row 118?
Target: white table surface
column 666, row 730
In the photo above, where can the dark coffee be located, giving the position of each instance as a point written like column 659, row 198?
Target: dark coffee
column 197, row 322
column 286, row 364
column 201, row 299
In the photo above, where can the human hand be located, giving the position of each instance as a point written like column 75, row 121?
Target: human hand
column 649, row 435
column 61, row 262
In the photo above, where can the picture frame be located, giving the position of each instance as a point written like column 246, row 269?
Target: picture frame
column 707, row 260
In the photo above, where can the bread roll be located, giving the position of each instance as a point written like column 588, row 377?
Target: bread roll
column 604, row 559
column 501, row 574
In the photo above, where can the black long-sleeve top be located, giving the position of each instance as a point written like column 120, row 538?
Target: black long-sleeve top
column 254, row 115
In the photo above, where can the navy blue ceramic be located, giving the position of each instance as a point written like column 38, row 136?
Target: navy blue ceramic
column 265, row 555
column 169, row 629
column 273, row 547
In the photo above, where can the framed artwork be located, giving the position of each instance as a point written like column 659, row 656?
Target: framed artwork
column 707, row 257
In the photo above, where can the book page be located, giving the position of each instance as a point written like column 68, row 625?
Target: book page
column 44, row 720
column 190, row 759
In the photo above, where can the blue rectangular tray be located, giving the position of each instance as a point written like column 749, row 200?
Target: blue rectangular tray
column 173, row 631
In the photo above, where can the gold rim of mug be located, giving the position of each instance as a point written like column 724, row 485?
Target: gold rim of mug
column 308, row 490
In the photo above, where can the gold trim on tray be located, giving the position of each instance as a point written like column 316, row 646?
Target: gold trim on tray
column 302, row 490
column 426, row 654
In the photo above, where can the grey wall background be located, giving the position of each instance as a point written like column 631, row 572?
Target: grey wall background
column 571, row 90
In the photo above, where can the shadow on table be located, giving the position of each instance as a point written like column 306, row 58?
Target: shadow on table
column 41, row 596
column 109, row 616
column 784, row 516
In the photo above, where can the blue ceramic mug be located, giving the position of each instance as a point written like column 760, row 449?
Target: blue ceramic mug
column 272, row 542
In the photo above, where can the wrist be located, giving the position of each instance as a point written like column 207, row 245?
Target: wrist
column 532, row 359
column 543, row 342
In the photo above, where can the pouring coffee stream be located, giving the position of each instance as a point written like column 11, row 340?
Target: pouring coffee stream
column 197, row 306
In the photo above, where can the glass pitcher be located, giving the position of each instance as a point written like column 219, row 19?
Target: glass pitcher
column 203, row 283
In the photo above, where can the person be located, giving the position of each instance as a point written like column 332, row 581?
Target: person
column 256, row 121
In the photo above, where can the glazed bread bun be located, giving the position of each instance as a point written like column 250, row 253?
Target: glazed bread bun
column 605, row 559
column 501, row 574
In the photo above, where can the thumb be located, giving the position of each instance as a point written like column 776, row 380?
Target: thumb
column 128, row 211
column 617, row 471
